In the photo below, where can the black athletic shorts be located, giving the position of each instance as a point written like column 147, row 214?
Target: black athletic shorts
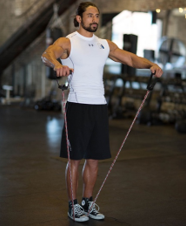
column 88, row 132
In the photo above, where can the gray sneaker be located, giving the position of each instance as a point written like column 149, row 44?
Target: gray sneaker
column 94, row 213
column 78, row 212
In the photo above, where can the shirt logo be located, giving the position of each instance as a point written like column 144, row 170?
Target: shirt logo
column 101, row 46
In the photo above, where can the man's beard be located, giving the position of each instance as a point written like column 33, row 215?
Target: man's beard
column 89, row 28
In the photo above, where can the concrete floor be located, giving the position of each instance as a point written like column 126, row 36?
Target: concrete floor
column 147, row 186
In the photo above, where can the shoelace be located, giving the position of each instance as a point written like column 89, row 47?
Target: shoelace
column 78, row 210
column 94, row 207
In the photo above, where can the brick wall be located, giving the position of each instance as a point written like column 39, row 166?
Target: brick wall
column 14, row 14
column 29, row 61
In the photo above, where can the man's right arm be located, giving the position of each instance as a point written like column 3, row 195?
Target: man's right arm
column 60, row 48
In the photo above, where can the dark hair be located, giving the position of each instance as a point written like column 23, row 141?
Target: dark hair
column 81, row 9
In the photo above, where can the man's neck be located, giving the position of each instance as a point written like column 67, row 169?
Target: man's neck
column 85, row 33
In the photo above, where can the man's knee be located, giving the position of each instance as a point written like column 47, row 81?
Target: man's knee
column 74, row 163
column 92, row 163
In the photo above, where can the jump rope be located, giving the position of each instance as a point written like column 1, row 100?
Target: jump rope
column 150, row 85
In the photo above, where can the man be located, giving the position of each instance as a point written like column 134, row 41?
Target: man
column 84, row 54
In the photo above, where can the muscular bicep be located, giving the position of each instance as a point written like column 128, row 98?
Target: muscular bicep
column 58, row 48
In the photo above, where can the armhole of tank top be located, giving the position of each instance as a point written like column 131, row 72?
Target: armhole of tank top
column 107, row 46
column 70, row 54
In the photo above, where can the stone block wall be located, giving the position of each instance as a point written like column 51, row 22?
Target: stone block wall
column 15, row 13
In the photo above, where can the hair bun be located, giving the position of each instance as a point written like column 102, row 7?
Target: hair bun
column 76, row 24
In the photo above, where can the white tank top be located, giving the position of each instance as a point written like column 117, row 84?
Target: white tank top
column 87, row 58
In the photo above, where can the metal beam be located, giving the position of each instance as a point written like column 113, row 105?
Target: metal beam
column 27, row 33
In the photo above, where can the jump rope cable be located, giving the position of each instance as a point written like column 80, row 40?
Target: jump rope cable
column 63, row 88
column 150, row 86
column 112, row 165
column 68, row 151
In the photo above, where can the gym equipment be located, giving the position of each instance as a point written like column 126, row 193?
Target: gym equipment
column 171, row 52
column 149, row 54
column 1, row 94
column 47, row 103
column 173, row 92
column 147, row 115
column 7, row 88
column 28, row 101
column 170, row 105
column 180, row 126
column 130, row 45
column 114, row 91
column 121, row 91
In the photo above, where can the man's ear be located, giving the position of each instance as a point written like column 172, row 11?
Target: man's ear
column 78, row 18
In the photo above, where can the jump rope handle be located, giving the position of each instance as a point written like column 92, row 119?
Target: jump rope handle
column 64, row 86
column 151, row 83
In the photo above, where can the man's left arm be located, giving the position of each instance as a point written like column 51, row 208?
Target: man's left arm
column 132, row 60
